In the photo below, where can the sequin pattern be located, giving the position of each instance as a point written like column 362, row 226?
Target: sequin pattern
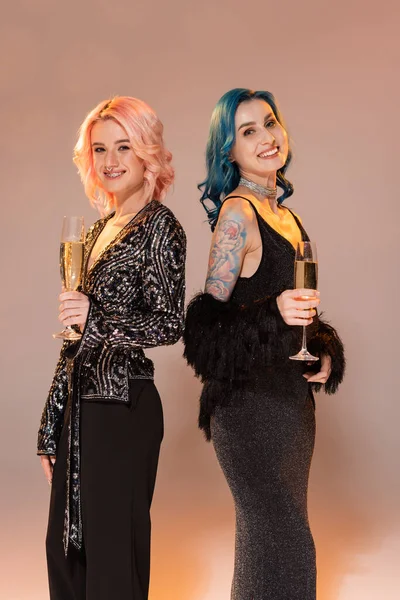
column 136, row 290
column 53, row 413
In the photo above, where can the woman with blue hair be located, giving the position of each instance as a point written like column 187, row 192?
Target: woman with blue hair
column 257, row 406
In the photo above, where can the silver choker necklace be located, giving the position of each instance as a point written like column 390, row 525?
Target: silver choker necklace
column 259, row 189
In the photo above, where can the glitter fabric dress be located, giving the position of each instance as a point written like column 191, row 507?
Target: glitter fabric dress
column 258, row 410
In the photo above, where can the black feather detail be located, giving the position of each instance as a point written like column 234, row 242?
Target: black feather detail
column 327, row 341
column 226, row 344
column 226, row 341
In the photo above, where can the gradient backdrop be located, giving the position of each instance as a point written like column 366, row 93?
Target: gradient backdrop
column 334, row 68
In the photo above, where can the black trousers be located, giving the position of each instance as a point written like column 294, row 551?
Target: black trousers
column 120, row 446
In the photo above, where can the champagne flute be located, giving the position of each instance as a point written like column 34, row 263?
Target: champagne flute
column 305, row 276
column 71, row 264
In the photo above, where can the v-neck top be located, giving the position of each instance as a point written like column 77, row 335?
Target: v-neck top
column 286, row 223
column 275, row 272
column 90, row 260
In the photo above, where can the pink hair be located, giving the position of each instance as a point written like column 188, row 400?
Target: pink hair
column 145, row 132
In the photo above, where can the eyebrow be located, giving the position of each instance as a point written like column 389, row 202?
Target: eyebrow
column 254, row 123
column 117, row 142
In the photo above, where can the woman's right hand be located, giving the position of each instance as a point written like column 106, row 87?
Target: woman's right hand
column 48, row 466
column 297, row 307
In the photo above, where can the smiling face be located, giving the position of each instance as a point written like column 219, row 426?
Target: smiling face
column 261, row 146
column 117, row 167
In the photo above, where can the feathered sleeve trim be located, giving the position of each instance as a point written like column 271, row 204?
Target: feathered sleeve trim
column 327, row 341
column 225, row 341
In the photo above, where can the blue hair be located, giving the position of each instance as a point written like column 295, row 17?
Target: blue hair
column 223, row 175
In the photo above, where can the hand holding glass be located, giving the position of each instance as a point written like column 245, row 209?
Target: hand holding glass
column 71, row 264
column 306, row 276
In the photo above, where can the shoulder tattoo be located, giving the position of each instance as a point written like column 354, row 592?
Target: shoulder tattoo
column 225, row 257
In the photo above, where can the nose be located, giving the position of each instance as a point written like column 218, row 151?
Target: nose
column 268, row 137
column 111, row 159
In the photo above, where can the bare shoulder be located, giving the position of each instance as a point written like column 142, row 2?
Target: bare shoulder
column 238, row 207
column 234, row 223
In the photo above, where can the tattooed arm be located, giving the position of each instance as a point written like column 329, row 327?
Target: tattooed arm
column 231, row 241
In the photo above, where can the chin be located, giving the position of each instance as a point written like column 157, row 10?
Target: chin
column 113, row 188
column 270, row 167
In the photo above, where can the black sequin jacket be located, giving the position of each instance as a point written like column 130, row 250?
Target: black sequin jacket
column 136, row 290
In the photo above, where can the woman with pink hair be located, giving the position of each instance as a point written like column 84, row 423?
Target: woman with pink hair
column 102, row 424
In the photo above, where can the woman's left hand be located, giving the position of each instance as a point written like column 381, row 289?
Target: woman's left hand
column 74, row 309
column 324, row 373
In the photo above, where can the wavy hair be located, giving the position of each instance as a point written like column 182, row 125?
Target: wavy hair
column 145, row 132
column 223, row 175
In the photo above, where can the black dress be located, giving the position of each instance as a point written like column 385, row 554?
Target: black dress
column 259, row 411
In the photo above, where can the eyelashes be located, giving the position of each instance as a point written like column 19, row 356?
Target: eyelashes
column 100, row 150
column 268, row 125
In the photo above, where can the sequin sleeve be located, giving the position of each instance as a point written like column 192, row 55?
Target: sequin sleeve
column 53, row 412
column 159, row 321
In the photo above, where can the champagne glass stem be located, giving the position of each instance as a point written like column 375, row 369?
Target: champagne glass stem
column 70, row 330
column 304, row 342
column 304, row 354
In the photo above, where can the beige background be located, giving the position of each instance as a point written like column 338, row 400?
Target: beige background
column 334, row 68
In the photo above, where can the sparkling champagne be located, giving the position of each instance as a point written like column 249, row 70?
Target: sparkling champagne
column 306, row 274
column 71, row 262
